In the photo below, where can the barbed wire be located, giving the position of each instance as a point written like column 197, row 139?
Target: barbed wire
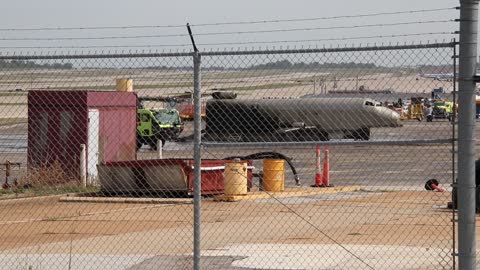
column 93, row 38
column 323, row 28
column 328, row 39
column 329, row 17
column 224, row 23
column 232, row 33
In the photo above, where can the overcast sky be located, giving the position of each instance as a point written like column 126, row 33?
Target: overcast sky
column 89, row 13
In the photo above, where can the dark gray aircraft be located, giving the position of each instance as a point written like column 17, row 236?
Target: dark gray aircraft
column 299, row 119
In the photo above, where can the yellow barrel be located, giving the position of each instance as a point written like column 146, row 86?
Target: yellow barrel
column 235, row 178
column 273, row 174
column 125, row 85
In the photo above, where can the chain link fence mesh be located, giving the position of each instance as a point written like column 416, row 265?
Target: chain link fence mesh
column 311, row 159
column 375, row 214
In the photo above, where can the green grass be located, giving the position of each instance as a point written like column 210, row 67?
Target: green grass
column 12, row 120
column 12, row 94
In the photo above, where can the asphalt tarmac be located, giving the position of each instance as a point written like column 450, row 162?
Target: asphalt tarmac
column 380, row 162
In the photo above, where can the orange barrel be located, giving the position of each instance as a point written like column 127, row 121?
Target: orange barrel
column 235, row 178
column 273, row 174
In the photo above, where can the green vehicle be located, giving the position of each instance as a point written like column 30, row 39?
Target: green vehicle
column 155, row 125
column 443, row 109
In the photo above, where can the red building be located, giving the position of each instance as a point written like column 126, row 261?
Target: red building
column 59, row 122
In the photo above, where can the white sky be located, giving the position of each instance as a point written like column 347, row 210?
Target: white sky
column 88, row 13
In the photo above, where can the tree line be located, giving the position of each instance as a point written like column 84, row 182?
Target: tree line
column 285, row 64
column 20, row 64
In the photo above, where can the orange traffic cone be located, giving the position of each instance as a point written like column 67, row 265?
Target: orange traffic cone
column 318, row 169
column 326, row 168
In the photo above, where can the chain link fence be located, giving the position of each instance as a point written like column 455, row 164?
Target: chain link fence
column 310, row 159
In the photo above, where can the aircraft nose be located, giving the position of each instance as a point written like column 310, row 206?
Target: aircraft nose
column 395, row 120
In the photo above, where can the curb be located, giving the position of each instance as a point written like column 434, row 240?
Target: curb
column 76, row 198
column 289, row 192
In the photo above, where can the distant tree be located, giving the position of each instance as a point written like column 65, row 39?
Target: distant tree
column 20, row 64
column 285, row 64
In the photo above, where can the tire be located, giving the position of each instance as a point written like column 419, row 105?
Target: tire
column 139, row 144
column 450, row 118
column 429, row 118
column 153, row 145
column 324, row 136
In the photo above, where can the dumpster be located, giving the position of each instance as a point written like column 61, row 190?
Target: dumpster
column 163, row 177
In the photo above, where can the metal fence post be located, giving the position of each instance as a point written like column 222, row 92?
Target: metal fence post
column 83, row 165
column 466, row 135
column 197, row 129
column 159, row 149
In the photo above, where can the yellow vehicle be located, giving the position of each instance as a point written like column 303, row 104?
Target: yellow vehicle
column 415, row 111
column 157, row 124
column 443, row 109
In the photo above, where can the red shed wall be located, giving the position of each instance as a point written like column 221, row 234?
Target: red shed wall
column 117, row 136
column 118, row 124
column 58, row 125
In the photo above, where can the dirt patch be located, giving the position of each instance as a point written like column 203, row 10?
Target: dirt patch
column 406, row 217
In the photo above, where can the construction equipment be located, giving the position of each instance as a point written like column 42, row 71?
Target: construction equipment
column 416, row 108
column 158, row 124
column 185, row 106
column 440, row 107
column 421, row 108
column 443, row 109
column 187, row 110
